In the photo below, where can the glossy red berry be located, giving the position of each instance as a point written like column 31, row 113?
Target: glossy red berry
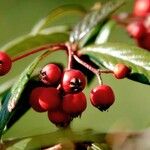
column 74, row 104
column 73, row 81
column 141, row 8
column 59, row 118
column 136, row 29
column 50, row 74
column 34, row 100
column 121, row 71
column 102, row 97
column 5, row 63
column 44, row 99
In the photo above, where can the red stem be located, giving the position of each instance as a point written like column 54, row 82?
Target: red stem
column 95, row 71
column 70, row 54
column 45, row 47
column 105, row 71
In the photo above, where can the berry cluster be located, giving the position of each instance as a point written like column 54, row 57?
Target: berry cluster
column 63, row 98
column 62, row 94
column 139, row 26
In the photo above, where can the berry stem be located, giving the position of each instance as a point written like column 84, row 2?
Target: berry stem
column 89, row 67
column 70, row 54
column 105, row 71
column 100, row 81
column 97, row 72
column 52, row 47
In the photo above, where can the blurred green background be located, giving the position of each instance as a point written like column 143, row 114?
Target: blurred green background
column 132, row 107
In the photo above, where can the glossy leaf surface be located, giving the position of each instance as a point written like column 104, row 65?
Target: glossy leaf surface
column 109, row 54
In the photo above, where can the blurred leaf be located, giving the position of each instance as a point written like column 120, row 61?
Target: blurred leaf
column 12, row 99
column 92, row 22
column 105, row 32
column 27, row 42
column 47, row 140
column 99, row 146
column 7, row 85
column 109, row 54
column 56, row 14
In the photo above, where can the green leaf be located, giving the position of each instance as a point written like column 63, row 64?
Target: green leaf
column 57, row 14
column 5, row 88
column 23, row 105
column 12, row 99
column 6, row 85
column 109, row 54
column 105, row 32
column 60, row 136
column 92, row 22
column 26, row 43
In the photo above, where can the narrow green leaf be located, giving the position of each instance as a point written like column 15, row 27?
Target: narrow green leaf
column 23, row 104
column 11, row 100
column 7, row 85
column 105, row 32
column 56, row 14
column 5, row 88
column 27, row 42
column 92, row 22
column 109, row 54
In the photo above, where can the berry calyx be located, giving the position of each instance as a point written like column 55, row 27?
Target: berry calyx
column 44, row 99
column 74, row 104
column 59, row 118
column 141, row 8
column 102, row 97
column 50, row 74
column 5, row 63
column 73, row 81
column 136, row 29
column 121, row 71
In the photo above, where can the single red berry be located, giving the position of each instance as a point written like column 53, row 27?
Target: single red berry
column 121, row 71
column 141, row 8
column 102, row 97
column 5, row 63
column 59, row 118
column 73, row 81
column 74, row 104
column 34, row 99
column 144, row 41
column 43, row 99
column 136, row 29
column 50, row 74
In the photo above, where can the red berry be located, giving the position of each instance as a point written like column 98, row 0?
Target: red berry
column 136, row 29
column 34, row 99
column 59, row 118
column 43, row 99
column 5, row 63
column 121, row 71
column 74, row 104
column 50, row 74
column 73, row 81
column 102, row 97
column 144, row 41
column 141, row 8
